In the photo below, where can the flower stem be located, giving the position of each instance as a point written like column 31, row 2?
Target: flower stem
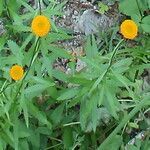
column 40, row 9
column 72, row 123
column 30, row 65
column 97, row 82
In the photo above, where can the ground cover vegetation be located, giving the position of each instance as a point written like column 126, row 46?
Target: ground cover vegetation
column 103, row 106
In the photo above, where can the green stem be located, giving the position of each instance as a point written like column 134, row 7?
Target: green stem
column 123, row 122
column 97, row 82
column 52, row 147
column 30, row 65
column 72, row 123
column 2, row 88
column 40, row 9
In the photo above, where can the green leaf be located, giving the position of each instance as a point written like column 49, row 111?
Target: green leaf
column 132, row 147
column 149, row 4
column 68, row 137
column 43, row 81
column 2, row 42
column 127, row 9
column 85, row 111
column 91, row 47
column 136, row 18
column 94, row 116
column 102, row 8
column 146, row 27
column 38, row 88
column 68, row 93
column 55, row 10
column 16, row 130
column 23, row 144
column 35, row 140
column 146, row 20
column 27, row 40
column 6, row 135
column 43, row 130
column 28, row 7
column 1, row 6
column 101, row 95
column 38, row 114
column 115, row 143
column 23, row 106
column 143, row 5
column 145, row 144
column 16, row 51
column 133, row 125
column 146, row 24
column 2, row 144
column 35, row 90
column 122, row 65
column 59, row 75
column 20, row 28
column 54, row 37
column 59, row 52
column 124, row 81
column 111, row 102
column 57, row 114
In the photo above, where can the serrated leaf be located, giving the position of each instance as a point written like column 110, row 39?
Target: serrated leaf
column 85, row 110
column 59, row 75
column 54, row 37
column 35, row 90
column 27, row 40
column 59, row 52
column 43, row 81
column 111, row 102
column 38, row 114
column 16, row 51
column 68, row 94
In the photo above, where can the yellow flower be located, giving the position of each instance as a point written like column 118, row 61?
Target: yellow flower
column 16, row 72
column 129, row 29
column 40, row 25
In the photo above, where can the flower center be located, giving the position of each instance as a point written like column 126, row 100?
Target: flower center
column 40, row 24
column 129, row 29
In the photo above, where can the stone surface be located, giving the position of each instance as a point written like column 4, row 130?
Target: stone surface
column 92, row 22
column 2, row 29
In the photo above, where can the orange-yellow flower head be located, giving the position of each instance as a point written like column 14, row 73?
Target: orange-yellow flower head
column 129, row 29
column 40, row 25
column 16, row 72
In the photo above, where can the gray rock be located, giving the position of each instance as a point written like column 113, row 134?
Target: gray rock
column 92, row 22
column 146, row 80
column 2, row 29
